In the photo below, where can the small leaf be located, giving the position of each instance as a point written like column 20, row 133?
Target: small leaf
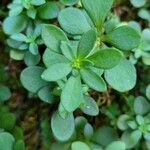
column 93, row 80
column 31, row 78
column 86, row 43
column 19, row 145
column 106, row 58
column 62, row 128
column 52, row 36
column 101, row 138
column 67, row 50
column 148, row 92
column 33, row 48
column 97, row 10
column 116, row 145
column 90, row 107
column 56, row 72
column 5, row 93
column 122, row 77
column 141, row 106
column 70, row 20
column 50, row 57
column 18, row 37
column 72, row 96
column 79, row 145
column 14, row 24
column 137, row 3
column 6, row 141
column 48, row 11
column 124, row 38
column 69, row 2
column 88, row 131
column 37, row 3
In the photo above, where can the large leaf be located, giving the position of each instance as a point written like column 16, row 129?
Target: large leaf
column 93, row 80
column 62, row 128
column 86, row 43
column 73, row 21
column 90, row 107
column 79, row 145
column 52, row 37
column 56, row 71
column 72, row 96
column 106, row 58
column 31, row 78
column 6, row 141
column 14, row 24
column 50, row 57
column 122, row 77
column 97, row 10
column 124, row 38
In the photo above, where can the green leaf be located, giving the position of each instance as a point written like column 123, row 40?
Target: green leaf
column 52, row 36
column 137, row 3
column 141, row 106
column 17, row 55
column 50, row 57
column 72, row 96
column 6, row 141
column 86, row 43
column 70, row 20
column 144, row 14
column 62, row 128
column 101, row 138
column 18, row 37
column 19, row 145
column 48, row 11
column 60, row 146
column 131, row 138
column 90, row 107
column 31, row 60
column 122, row 122
column 33, row 48
column 122, row 77
column 56, row 71
column 88, row 131
column 148, row 92
column 67, row 50
column 116, row 145
column 106, row 58
column 97, row 10
column 79, row 145
column 5, row 93
column 14, row 24
column 31, row 78
column 45, row 94
column 124, row 38
column 37, row 3
column 93, row 80
column 69, row 2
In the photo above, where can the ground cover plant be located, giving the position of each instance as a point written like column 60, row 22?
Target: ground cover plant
column 74, row 75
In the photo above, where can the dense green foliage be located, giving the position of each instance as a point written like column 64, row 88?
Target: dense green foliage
column 87, row 65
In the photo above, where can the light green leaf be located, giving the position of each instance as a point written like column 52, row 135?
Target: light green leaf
column 72, row 96
column 93, row 80
column 97, row 10
column 131, row 138
column 106, row 58
column 62, row 128
column 90, row 107
column 31, row 78
column 148, row 92
column 14, row 24
column 6, row 141
column 18, row 37
column 141, row 106
column 5, row 93
column 67, row 50
column 122, row 77
column 56, row 72
column 88, row 131
column 52, row 36
column 86, row 43
column 37, row 3
column 79, row 145
column 70, row 20
column 116, row 145
column 101, row 138
column 144, row 14
column 137, row 3
column 50, row 57
column 33, row 48
column 124, row 38
column 48, row 11
column 69, row 2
